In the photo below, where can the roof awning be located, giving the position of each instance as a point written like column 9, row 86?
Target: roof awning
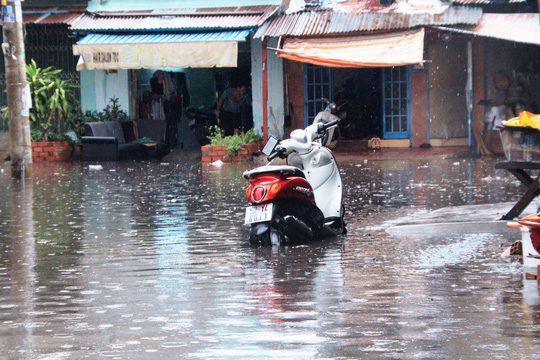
column 157, row 51
column 523, row 28
column 383, row 50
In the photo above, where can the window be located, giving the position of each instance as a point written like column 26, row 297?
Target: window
column 396, row 102
column 317, row 85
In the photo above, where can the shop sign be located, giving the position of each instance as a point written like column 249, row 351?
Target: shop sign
column 157, row 55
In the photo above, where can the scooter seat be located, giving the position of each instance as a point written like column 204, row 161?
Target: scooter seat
column 281, row 169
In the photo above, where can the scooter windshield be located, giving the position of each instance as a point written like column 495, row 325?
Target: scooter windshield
column 270, row 145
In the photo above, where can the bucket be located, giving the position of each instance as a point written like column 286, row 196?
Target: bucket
column 530, row 237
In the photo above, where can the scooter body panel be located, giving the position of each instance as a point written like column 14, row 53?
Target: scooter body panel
column 322, row 173
column 280, row 187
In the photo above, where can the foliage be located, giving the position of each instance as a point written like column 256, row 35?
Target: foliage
column 112, row 111
column 251, row 137
column 57, row 137
column 55, row 107
column 77, row 119
column 53, row 99
column 234, row 143
column 35, row 134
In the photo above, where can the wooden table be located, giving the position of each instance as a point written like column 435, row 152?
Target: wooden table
column 521, row 171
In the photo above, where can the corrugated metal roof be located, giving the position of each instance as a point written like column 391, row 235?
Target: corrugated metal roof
column 67, row 18
column 220, row 18
column 51, row 16
column 326, row 21
column 101, row 6
column 163, row 38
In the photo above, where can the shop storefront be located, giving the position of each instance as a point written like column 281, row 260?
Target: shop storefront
column 369, row 77
column 157, row 76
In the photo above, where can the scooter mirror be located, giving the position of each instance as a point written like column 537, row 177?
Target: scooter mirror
column 270, row 145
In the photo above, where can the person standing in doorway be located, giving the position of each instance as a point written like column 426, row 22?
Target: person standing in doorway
column 229, row 107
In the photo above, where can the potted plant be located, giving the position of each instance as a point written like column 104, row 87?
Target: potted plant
column 231, row 148
column 53, row 99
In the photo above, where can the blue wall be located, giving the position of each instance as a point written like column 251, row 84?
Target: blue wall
column 122, row 5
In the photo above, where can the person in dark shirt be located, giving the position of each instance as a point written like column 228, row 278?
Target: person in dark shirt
column 156, row 85
column 229, row 108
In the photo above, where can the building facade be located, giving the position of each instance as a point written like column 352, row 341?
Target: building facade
column 347, row 52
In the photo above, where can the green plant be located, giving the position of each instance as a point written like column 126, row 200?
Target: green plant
column 251, row 137
column 216, row 138
column 36, row 134
column 234, row 143
column 53, row 99
column 76, row 120
column 57, row 137
column 112, row 111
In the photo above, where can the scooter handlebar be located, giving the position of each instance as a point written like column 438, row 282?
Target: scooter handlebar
column 278, row 152
column 323, row 127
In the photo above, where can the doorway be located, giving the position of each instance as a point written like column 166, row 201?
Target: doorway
column 356, row 92
column 447, row 90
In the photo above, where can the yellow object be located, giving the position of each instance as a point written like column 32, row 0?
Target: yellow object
column 525, row 119
column 4, row 3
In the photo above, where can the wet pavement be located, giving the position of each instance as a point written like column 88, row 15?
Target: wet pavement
column 148, row 260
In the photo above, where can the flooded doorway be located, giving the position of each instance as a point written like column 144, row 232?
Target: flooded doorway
column 446, row 92
column 358, row 92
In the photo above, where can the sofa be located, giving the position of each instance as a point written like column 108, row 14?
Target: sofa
column 120, row 140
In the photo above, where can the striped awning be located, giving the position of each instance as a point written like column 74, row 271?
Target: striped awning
column 383, row 50
column 157, row 51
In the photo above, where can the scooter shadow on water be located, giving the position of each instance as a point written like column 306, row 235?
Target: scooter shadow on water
column 276, row 249
column 300, row 202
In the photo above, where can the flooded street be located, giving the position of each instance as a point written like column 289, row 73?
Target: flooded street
column 148, row 260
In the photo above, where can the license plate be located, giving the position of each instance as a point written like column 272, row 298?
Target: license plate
column 258, row 213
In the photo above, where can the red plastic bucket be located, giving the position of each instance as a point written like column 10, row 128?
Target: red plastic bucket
column 530, row 236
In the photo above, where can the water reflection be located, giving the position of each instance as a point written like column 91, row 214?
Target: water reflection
column 427, row 183
column 20, row 263
column 150, row 260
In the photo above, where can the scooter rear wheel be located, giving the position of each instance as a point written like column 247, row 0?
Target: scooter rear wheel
column 270, row 237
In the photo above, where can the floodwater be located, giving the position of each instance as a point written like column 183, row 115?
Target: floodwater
column 149, row 260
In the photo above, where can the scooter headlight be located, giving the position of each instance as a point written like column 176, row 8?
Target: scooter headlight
column 258, row 193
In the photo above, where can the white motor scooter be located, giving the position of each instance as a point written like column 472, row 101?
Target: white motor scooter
column 300, row 201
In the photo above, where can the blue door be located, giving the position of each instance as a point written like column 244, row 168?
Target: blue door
column 317, row 85
column 397, row 102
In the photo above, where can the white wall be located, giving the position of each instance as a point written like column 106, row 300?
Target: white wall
column 99, row 86
column 276, row 89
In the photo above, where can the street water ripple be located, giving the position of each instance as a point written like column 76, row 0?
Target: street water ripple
column 145, row 260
